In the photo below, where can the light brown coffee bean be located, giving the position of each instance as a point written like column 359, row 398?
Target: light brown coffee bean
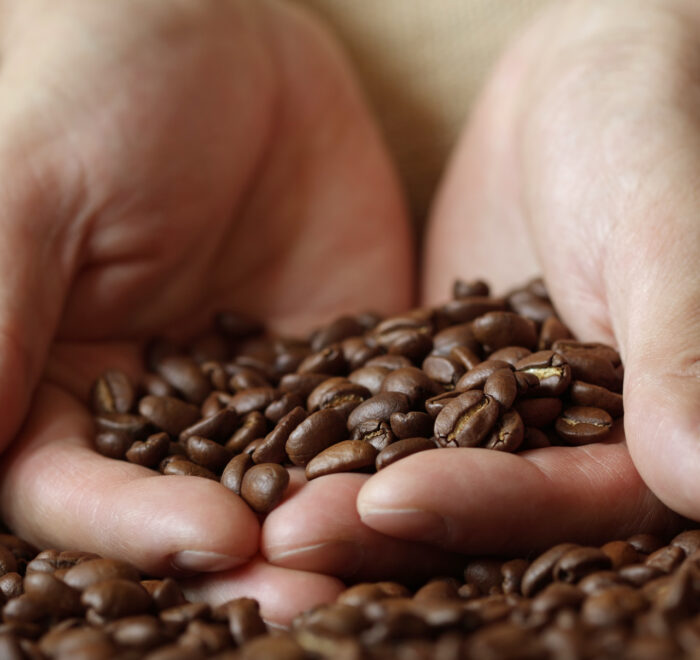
column 263, row 486
column 180, row 466
column 116, row 598
column 92, row 571
column 112, row 392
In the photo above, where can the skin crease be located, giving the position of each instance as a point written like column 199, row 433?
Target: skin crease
column 124, row 213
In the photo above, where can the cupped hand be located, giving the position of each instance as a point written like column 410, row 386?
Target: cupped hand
column 581, row 162
column 160, row 162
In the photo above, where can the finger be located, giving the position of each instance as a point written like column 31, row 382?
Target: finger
column 481, row 501
column 281, row 592
column 318, row 529
column 56, row 491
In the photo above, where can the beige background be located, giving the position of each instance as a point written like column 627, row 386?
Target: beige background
column 422, row 63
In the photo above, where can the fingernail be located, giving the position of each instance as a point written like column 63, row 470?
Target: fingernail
column 341, row 558
column 414, row 524
column 201, row 561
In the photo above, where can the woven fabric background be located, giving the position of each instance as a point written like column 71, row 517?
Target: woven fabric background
column 422, row 63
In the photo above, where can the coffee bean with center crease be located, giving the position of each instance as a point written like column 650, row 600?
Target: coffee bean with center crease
column 318, row 431
column 273, row 448
column 285, row 404
column 338, row 393
column 465, row 356
column 113, row 444
column 579, row 425
column 443, row 369
column 464, row 289
column 345, row 456
column 243, row 616
column 168, row 413
column 412, row 382
column 578, row 562
column 207, row 453
column 369, row 376
column 540, row 572
column 595, row 396
column 468, row 308
column 8, row 563
column 402, row 448
column 496, row 330
column 112, row 392
column 149, row 452
column 134, row 427
column 263, row 486
column 435, row 404
column 217, row 427
column 179, row 465
column 357, row 351
column 466, row 420
column 328, row 360
column 476, row 377
column 508, row 433
column 54, row 594
column 379, row 407
column 551, row 369
column 502, row 386
column 232, row 475
column 254, row 426
column 411, row 424
column 378, row 434
column 185, row 375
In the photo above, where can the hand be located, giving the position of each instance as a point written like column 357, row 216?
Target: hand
column 581, row 161
column 160, row 162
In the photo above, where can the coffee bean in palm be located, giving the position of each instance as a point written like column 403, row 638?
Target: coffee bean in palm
column 345, row 456
column 113, row 444
column 185, row 375
column 551, row 370
column 370, row 377
column 496, row 330
column 595, row 396
column 112, row 392
column 168, row 413
column 379, row 407
column 465, row 289
column 476, row 377
column 412, row 382
column 263, row 486
column 466, row 420
column 180, row 466
column 411, row 424
column 338, row 393
column 149, row 452
column 539, row 412
column 218, row 426
column 207, row 453
column 375, row 432
column 468, row 308
column 273, row 448
column 580, row 425
column 319, row 430
column 508, row 434
column 134, row 427
column 285, row 404
column 116, row 598
column 502, row 386
column 402, row 448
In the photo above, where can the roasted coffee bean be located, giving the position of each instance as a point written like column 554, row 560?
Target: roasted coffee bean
column 540, row 571
column 11, row 585
column 510, row 354
column 438, row 589
column 215, row 372
column 218, row 427
column 207, row 453
column 645, row 543
column 379, row 407
column 272, row 448
column 402, row 448
column 468, row 308
column 55, row 595
column 476, row 378
column 621, row 553
column 538, row 412
column 512, row 573
column 23, row 609
column 150, row 452
column 443, row 370
column 113, row 444
column 612, row 606
column 389, row 362
column 289, row 356
column 345, row 456
column 551, row 370
column 485, row 574
column 280, row 648
column 92, row 571
column 255, row 398
column 378, row 434
column 263, row 486
column 591, row 363
column 557, row 596
column 508, row 433
column 464, row 289
column 244, row 378
column 457, row 342
column 552, row 330
column 496, row 330
column 134, row 427
column 178, row 465
column 112, row 392
column 579, row 425
column 688, row 541
column 578, row 562
column 243, row 616
column 285, row 404
column 412, row 382
column 501, row 385
column 318, row 431
column 254, row 426
column 357, row 351
column 177, row 617
column 464, row 356
column 165, row 593
column 412, row 424
column 168, row 413
column 334, row 332
column 8, row 562
column 366, row 592
column 138, row 632
column 530, row 306
column 639, row 574
column 595, row 396
column 338, row 393
column 116, row 598
column 185, row 375
column 328, row 360
column 435, row 404
column 411, row 344
column 598, row 581
column 156, row 386
column 466, row 420
column 370, row 377
column 666, row 559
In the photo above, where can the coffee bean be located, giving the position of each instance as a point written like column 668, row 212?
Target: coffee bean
column 263, row 486
column 508, row 433
column 8, row 563
column 370, row 377
column 255, row 398
column 666, row 559
column 466, row 420
column 216, row 373
column 184, row 375
column 150, row 452
column 134, row 427
column 552, row 330
column 116, row 598
column 645, row 543
column 92, row 571
column 165, row 593
column 591, row 363
column 338, row 393
column 207, row 453
column 496, row 330
column 412, row 424
column 402, row 448
column 254, row 426
column 378, row 434
column 245, row 623
column 540, row 571
column 244, row 378
column 357, row 351
column 639, row 574
column 551, row 370
column 465, row 357
column 578, row 562
column 435, row 404
column 464, row 289
column 11, row 585
column 168, row 413
column 443, row 370
column 530, row 306
column 112, row 392
column 579, row 425
column 379, row 407
column 318, row 431
column 595, row 396
column 334, row 332
column 612, row 606
column 476, row 378
column 412, row 382
column 538, row 412
column 328, row 360
column 501, row 385
column 468, row 308
column 510, row 354
column 345, row 456
column 512, row 573
column 217, row 427
column 273, row 448
column 155, row 385
column 178, row 465
column 285, row 404
column 54, row 594
column 557, row 596
column 621, row 553
column 389, row 362
column 688, row 541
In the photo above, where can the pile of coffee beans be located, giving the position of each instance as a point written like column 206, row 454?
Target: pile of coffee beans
column 636, row 599
column 238, row 405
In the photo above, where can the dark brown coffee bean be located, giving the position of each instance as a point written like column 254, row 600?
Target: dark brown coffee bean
column 179, row 465
column 510, row 354
column 389, row 362
column 366, row 592
column 216, row 373
column 402, row 448
column 579, row 425
column 476, row 378
column 466, row 420
column 591, row 363
column 412, row 382
column 357, row 351
column 645, row 543
column 468, row 308
column 369, row 376
column 465, row 356
column 116, row 598
column 501, row 386
column 530, row 306
column 232, row 476
column 512, row 573
column 334, row 332
column 598, row 581
column 156, row 386
column 378, row 434
column 289, row 355
column 280, row 648
column 149, row 452
column 255, row 398
column 602, row 351
column 184, row 374
column 92, row 571
column 443, row 370
column 411, row 424
column 540, row 571
column 595, row 396
column 435, row 404
column 538, row 412
column 273, row 448
column 244, row 378
column 639, row 574
column 8, row 562
column 463, row 289
column 688, row 541
column 578, row 562
column 23, row 551
column 666, row 559
column 508, row 434
column 496, row 330
column 11, row 585
column 285, row 404
column 112, row 392
column 411, row 344
column 418, row 320
column 319, row 430
column 557, row 596
column 217, row 427
column 338, row 393
column 328, row 360
column 612, row 606
column 621, row 553
column 254, row 426
column 485, row 573
column 165, row 593
column 379, row 407
column 168, row 413
column 23, row 609
column 345, row 456
column 263, row 486
column 55, row 595
column 207, row 453
column 552, row 330
column 551, row 370
column 243, row 615
column 131, row 426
